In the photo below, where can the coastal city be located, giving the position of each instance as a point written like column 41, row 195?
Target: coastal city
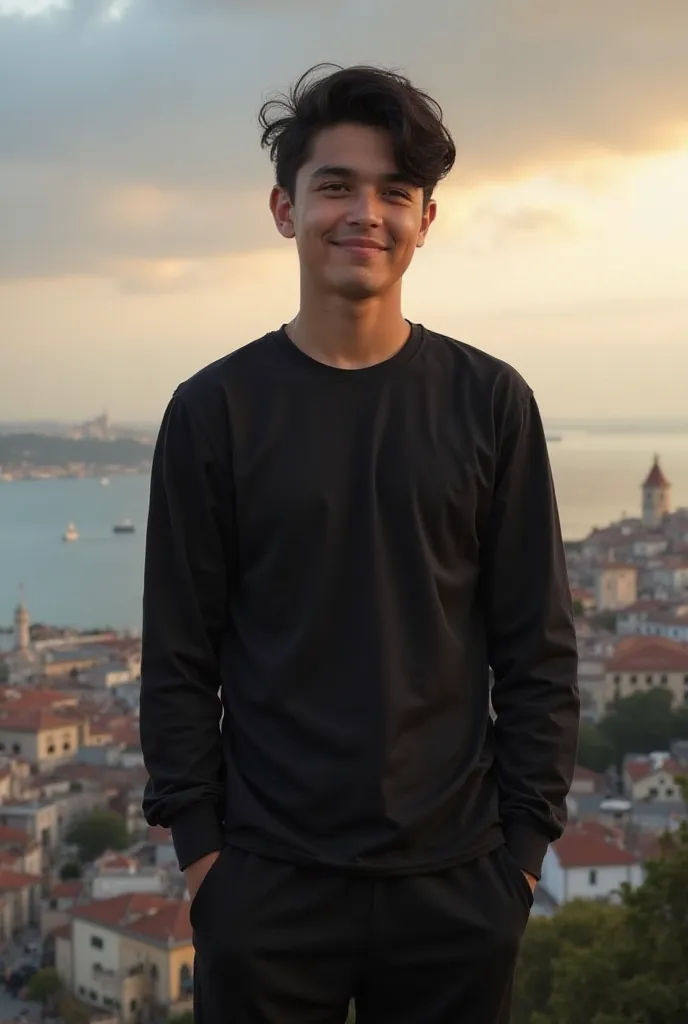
column 94, row 914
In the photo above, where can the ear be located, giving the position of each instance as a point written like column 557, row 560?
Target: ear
column 429, row 214
column 282, row 210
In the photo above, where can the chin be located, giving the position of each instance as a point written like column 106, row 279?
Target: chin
column 356, row 289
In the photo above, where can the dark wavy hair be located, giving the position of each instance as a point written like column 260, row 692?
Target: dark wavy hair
column 423, row 147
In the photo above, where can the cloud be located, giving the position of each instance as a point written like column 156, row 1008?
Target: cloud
column 134, row 136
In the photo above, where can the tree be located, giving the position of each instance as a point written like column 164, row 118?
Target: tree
column 182, row 1018
column 97, row 832
column 71, row 1010
column 44, row 985
column 69, row 871
column 609, row 964
column 639, row 724
column 595, row 749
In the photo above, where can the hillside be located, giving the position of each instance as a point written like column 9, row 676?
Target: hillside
column 19, row 451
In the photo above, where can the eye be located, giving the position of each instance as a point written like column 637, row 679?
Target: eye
column 333, row 186
column 398, row 193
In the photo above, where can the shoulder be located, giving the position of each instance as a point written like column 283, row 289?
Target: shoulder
column 479, row 377
column 211, row 387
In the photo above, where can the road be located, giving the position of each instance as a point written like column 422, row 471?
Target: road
column 10, row 1009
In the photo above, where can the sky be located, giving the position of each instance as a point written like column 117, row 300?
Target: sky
column 136, row 243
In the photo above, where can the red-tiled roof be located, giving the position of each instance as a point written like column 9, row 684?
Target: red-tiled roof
column 10, row 836
column 115, row 862
column 120, row 910
column 587, row 850
column 585, row 773
column 644, row 768
column 170, row 924
column 32, row 720
column 64, row 931
column 11, row 881
column 649, row 654
column 656, row 478
column 69, row 890
column 12, row 697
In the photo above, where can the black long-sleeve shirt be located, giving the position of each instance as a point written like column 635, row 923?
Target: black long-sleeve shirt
column 341, row 555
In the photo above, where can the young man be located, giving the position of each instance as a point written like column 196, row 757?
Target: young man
column 351, row 520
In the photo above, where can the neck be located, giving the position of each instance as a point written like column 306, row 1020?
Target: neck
column 349, row 335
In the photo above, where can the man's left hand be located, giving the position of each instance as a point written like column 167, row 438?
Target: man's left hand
column 531, row 880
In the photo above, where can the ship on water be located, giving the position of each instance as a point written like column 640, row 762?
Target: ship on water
column 124, row 526
column 71, row 533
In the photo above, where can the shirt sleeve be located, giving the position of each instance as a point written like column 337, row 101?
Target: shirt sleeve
column 186, row 579
column 531, row 642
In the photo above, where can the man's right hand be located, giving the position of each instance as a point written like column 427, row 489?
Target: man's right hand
column 196, row 872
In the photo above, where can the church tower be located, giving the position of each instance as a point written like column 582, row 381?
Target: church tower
column 655, row 495
column 22, row 635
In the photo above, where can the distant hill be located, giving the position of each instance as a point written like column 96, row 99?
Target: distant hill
column 43, row 450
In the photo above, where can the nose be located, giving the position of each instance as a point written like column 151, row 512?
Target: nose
column 364, row 210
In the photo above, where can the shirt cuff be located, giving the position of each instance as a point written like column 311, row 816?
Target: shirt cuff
column 527, row 847
column 196, row 832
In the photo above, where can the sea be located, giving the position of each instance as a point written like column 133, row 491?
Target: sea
column 96, row 582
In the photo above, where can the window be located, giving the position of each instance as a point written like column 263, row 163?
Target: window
column 82, row 990
column 16, row 748
column 648, row 679
column 664, row 680
column 669, row 793
column 66, row 745
column 96, row 942
column 634, row 679
column 51, row 748
column 592, row 877
column 185, row 980
column 617, row 680
column 653, row 792
column 132, row 1006
column 93, row 996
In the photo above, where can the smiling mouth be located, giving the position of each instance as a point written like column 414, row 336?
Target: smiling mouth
column 361, row 247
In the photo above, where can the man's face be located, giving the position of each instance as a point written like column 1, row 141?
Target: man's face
column 356, row 221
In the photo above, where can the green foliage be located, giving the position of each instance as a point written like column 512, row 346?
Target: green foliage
column 640, row 724
column 595, row 750
column 97, row 832
column 612, row 964
column 69, row 871
column 71, row 1010
column 44, row 985
column 637, row 724
column 182, row 1018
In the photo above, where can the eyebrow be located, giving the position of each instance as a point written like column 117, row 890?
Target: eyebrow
column 336, row 171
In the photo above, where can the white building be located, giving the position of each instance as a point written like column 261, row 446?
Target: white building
column 653, row 778
column 116, row 874
column 588, row 865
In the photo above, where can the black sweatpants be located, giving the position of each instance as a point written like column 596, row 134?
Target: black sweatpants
column 279, row 943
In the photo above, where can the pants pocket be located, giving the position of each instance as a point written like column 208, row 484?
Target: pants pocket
column 519, row 879
column 205, row 898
